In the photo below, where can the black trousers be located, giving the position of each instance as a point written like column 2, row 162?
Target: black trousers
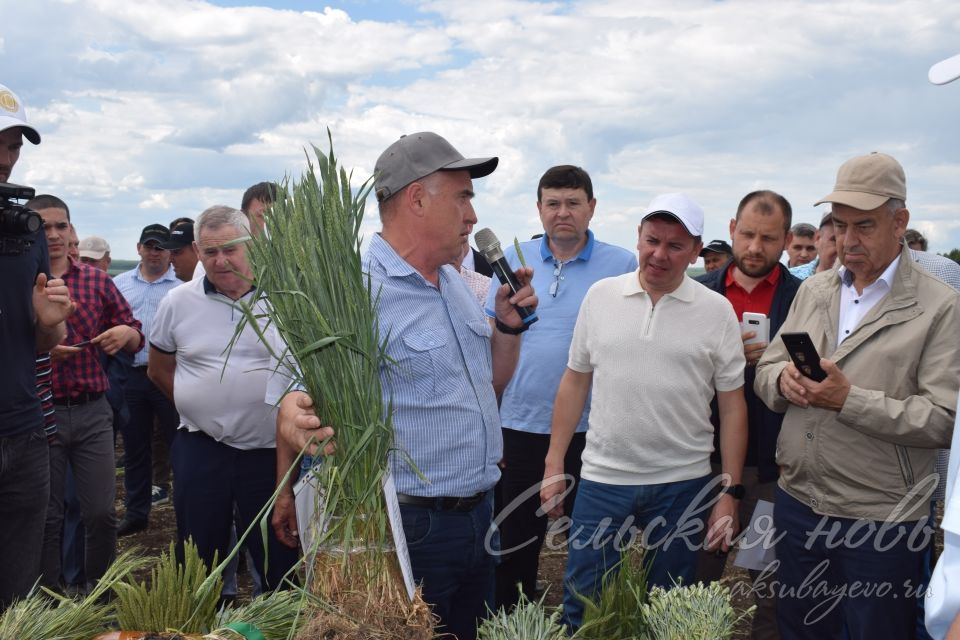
column 522, row 528
column 211, row 478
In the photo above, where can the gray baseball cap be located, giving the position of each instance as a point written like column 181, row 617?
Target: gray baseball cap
column 416, row 155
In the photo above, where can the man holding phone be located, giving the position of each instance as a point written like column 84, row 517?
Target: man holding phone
column 761, row 290
column 857, row 450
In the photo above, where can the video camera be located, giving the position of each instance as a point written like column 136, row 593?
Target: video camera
column 16, row 219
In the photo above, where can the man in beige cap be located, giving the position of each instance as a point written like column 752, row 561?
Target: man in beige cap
column 857, row 450
column 95, row 251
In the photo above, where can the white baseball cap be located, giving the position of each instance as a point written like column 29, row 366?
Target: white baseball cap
column 945, row 71
column 679, row 206
column 12, row 114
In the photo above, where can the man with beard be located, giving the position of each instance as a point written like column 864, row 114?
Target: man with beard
column 756, row 282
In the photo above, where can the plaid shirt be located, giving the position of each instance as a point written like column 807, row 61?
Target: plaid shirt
column 100, row 306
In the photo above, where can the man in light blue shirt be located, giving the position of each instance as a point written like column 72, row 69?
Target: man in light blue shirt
column 447, row 366
column 567, row 260
column 144, row 287
column 825, row 240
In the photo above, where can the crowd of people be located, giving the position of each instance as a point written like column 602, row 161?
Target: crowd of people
column 639, row 408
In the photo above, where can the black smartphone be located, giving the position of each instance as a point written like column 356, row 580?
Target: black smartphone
column 804, row 355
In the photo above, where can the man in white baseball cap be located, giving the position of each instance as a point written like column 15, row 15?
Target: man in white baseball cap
column 655, row 346
column 34, row 309
column 13, row 128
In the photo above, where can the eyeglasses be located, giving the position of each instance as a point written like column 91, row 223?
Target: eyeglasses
column 555, row 285
column 155, row 248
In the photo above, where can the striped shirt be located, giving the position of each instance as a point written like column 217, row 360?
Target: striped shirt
column 948, row 271
column 144, row 297
column 440, row 382
column 44, row 382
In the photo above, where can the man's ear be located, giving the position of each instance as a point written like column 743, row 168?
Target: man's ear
column 413, row 196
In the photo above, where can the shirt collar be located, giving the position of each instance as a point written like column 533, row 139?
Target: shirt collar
column 209, row 288
column 771, row 278
column 846, row 276
column 169, row 274
column 684, row 292
column 383, row 254
column 584, row 254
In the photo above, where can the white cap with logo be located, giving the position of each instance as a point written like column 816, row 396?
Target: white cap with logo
column 13, row 114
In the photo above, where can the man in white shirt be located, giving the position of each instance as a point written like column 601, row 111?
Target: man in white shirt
column 656, row 346
column 225, row 450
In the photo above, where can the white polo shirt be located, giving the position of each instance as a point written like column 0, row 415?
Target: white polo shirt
column 655, row 370
column 196, row 323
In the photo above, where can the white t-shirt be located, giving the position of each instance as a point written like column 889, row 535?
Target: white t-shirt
column 655, row 371
column 197, row 323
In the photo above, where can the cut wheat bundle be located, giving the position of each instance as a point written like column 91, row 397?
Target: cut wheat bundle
column 312, row 289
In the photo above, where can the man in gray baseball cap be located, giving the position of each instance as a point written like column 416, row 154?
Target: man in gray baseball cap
column 417, row 155
column 446, row 354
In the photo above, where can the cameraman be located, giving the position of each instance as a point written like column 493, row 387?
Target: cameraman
column 32, row 314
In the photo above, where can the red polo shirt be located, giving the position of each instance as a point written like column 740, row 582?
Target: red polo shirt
column 756, row 301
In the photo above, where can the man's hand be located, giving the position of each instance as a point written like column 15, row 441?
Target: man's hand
column 525, row 297
column 723, row 525
column 284, row 520
column 553, row 489
column 51, row 301
column 115, row 338
column 752, row 352
column 298, row 425
column 800, row 390
column 62, row 352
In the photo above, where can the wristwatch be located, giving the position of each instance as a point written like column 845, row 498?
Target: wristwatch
column 513, row 331
column 738, row 491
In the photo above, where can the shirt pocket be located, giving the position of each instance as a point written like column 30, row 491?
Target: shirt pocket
column 423, row 359
column 483, row 329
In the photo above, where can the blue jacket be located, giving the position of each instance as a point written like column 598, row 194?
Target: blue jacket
column 762, row 423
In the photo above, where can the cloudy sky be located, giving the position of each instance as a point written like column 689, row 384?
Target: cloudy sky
column 151, row 110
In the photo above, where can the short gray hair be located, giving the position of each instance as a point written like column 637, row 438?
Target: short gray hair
column 220, row 215
column 894, row 205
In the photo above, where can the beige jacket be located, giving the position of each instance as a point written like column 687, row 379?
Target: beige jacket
column 903, row 362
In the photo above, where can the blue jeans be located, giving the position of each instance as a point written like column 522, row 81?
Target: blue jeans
column 607, row 518
column 24, row 491
column 844, row 578
column 449, row 557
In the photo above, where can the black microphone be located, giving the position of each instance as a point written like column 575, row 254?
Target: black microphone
column 489, row 246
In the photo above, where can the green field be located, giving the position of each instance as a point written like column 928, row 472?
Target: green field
column 119, row 266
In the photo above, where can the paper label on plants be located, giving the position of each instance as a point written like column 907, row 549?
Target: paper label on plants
column 396, row 525
column 757, row 544
column 310, row 500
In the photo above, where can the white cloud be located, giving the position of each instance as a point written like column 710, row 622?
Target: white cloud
column 155, row 201
column 187, row 103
